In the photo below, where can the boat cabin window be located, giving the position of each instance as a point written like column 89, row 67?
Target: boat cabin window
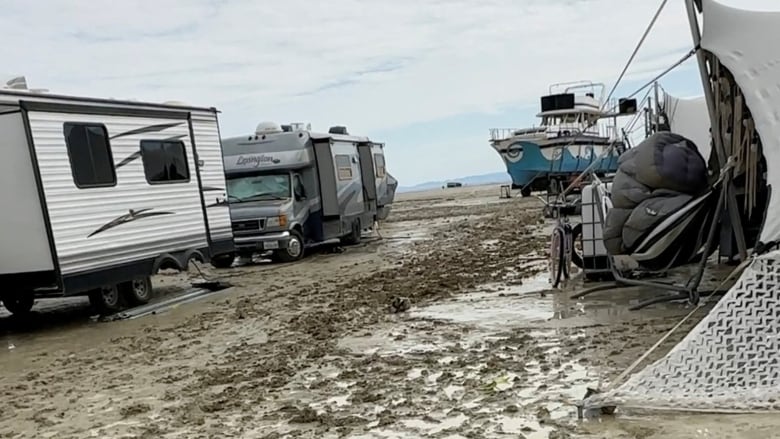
column 165, row 161
column 257, row 187
column 89, row 150
column 343, row 167
column 379, row 161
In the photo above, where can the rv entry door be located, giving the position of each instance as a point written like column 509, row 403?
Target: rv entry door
column 368, row 175
column 327, row 177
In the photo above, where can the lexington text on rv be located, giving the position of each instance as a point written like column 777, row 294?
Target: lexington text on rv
column 289, row 188
column 104, row 194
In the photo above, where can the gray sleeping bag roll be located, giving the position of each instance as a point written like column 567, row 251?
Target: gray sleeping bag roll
column 653, row 180
column 649, row 213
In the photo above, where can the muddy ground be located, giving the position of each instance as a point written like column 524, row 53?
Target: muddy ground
column 441, row 327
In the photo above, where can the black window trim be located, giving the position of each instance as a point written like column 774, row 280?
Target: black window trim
column 110, row 154
column 186, row 162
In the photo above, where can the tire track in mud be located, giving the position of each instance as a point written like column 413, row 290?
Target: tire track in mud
column 453, row 260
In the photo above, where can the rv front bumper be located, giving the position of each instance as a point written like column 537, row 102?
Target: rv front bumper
column 266, row 241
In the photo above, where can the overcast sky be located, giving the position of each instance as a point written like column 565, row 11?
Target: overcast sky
column 429, row 77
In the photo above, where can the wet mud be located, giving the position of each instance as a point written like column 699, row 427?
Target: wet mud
column 440, row 325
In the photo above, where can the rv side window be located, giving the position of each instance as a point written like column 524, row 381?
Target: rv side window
column 343, row 167
column 91, row 162
column 164, row 161
column 379, row 162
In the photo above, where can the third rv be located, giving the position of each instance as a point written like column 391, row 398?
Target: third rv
column 289, row 188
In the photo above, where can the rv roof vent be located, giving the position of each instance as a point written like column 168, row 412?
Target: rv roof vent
column 338, row 130
column 267, row 128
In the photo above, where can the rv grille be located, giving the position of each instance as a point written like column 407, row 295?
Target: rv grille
column 247, row 225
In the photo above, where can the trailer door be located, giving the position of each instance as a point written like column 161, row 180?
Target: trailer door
column 327, row 178
column 24, row 239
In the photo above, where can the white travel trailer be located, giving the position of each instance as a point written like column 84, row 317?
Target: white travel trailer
column 102, row 193
column 290, row 188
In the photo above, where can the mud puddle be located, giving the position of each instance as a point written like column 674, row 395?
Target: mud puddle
column 471, row 368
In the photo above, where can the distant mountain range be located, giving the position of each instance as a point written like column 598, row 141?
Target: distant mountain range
column 472, row 180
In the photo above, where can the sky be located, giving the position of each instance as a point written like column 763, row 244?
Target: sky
column 427, row 77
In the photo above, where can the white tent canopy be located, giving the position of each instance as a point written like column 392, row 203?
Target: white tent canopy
column 690, row 118
column 715, row 367
column 745, row 42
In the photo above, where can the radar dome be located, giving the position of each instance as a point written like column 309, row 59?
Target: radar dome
column 268, row 128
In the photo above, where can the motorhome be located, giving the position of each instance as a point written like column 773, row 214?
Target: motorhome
column 290, row 188
column 103, row 193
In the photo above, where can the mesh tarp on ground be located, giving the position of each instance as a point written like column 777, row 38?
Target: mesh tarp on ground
column 730, row 362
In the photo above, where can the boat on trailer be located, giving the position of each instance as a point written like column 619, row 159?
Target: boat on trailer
column 575, row 131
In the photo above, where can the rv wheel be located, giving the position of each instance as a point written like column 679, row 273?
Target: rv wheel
column 18, row 303
column 354, row 235
column 294, row 250
column 137, row 291
column 106, row 299
column 526, row 191
column 223, row 261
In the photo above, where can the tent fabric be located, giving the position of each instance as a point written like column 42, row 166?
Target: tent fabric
column 690, row 118
column 654, row 179
column 743, row 41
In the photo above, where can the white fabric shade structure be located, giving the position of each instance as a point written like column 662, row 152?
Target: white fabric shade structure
column 730, row 362
column 747, row 43
column 690, row 118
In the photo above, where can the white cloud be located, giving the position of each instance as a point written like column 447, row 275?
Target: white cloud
column 371, row 65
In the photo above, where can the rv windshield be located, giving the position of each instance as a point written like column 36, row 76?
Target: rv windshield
column 259, row 187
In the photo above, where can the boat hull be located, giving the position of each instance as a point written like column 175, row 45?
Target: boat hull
column 531, row 165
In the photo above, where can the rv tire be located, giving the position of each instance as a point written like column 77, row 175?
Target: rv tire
column 294, row 249
column 107, row 299
column 137, row 291
column 526, row 191
column 223, row 261
column 18, row 304
column 354, row 235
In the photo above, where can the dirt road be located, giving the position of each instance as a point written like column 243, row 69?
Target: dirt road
column 327, row 348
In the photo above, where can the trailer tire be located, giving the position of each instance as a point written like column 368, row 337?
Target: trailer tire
column 137, row 291
column 294, row 250
column 576, row 256
column 526, row 191
column 19, row 303
column 354, row 235
column 107, row 299
column 223, row 261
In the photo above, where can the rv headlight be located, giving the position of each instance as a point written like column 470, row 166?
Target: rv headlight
column 277, row 221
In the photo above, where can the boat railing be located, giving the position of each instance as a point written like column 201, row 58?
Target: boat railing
column 497, row 134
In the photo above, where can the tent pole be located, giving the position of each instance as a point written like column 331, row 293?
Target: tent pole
column 717, row 140
column 706, row 84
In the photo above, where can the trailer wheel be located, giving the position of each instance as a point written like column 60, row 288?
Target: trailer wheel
column 19, row 303
column 137, row 291
column 106, row 299
column 577, row 256
column 223, row 261
column 526, row 191
column 294, row 250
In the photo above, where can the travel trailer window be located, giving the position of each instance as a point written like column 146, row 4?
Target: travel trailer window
column 379, row 161
column 258, row 187
column 91, row 162
column 164, row 161
column 343, row 167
